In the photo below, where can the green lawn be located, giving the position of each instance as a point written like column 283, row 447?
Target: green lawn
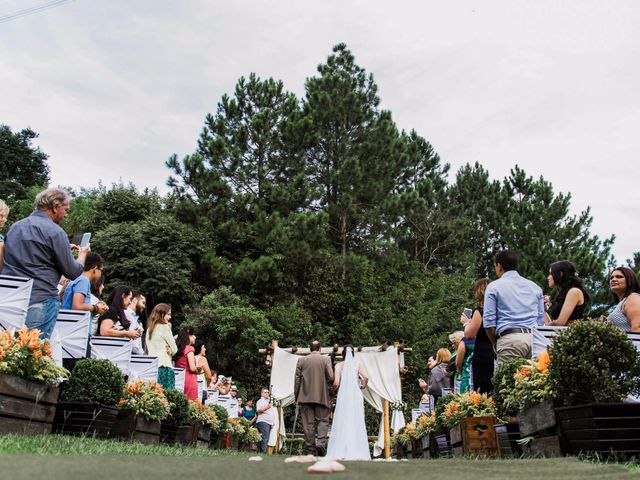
column 57, row 457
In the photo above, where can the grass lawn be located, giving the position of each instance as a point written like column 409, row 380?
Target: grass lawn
column 57, row 457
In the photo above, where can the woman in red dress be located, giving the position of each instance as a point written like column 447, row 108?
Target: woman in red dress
column 185, row 358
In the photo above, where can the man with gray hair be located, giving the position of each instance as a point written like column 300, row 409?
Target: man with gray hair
column 37, row 247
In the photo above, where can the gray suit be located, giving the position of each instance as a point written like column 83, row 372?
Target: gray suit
column 313, row 376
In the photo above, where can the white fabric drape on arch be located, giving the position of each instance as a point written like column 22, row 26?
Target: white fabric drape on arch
column 384, row 384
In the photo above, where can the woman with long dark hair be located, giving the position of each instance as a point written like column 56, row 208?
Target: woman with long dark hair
column 572, row 298
column 115, row 323
column 185, row 358
column 625, row 287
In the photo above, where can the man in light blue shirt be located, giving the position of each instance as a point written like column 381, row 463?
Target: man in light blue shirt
column 513, row 306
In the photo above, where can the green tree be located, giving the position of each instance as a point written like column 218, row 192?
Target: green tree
column 234, row 331
column 21, row 164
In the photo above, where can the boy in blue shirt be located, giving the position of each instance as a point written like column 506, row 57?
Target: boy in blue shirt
column 77, row 295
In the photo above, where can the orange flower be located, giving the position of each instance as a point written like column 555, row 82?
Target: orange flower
column 475, row 398
column 525, row 372
column 543, row 361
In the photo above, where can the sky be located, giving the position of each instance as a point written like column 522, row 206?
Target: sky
column 114, row 87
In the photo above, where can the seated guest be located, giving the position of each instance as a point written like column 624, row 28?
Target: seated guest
column 77, row 294
column 438, row 377
column 160, row 343
column 97, row 288
column 626, row 290
column 4, row 214
column 115, row 323
column 134, row 310
column 571, row 299
column 186, row 359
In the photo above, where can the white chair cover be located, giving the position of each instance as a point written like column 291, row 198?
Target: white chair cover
column 15, row 293
column 180, row 378
column 143, row 367
column 115, row 349
column 73, row 328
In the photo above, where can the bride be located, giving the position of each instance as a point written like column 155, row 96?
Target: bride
column 348, row 440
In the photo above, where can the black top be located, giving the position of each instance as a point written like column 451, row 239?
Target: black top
column 481, row 337
column 578, row 311
column 115, row 316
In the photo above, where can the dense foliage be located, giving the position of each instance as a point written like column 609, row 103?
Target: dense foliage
column 178, row 407
column 503, row 385
column 94, row 381
column 593, row 362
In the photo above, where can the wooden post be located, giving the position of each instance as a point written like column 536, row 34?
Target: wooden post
column 387, row 429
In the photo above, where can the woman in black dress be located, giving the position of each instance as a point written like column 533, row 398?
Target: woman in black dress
column 483, row 355
column 570, row 302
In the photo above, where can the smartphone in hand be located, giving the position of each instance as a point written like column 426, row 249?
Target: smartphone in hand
column 85, row 239
column 468, row 312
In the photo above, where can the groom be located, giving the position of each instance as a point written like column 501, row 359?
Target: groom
column 313, row 376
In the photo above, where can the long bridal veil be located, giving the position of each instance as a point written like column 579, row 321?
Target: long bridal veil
column 348, row 440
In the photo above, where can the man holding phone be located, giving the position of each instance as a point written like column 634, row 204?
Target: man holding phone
column 77, row 295
column 37, row 247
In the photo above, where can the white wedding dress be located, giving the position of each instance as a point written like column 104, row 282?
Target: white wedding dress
column 348, row 440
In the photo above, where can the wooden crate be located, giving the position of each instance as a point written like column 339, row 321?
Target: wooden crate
column 172, row 434
column 508, row 435
column 137, row 428
column 540, row 423
column 475, row 436
column 601, row 428
column 203, row 437
column 90, row 419
column 26, row 407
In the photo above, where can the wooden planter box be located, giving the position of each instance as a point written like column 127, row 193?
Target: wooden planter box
column 475, row 436
column 436, row 445
column 508, row 435
column 26, row 407
column 172, row 434
column 135, row 427
column 203, row 437
column 91, row 419
column 540, row 423
column 601, row 428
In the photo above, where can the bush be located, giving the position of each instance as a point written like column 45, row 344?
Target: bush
column 504, row 383
column 95, row 381
column 593, row 362
column 178, row 407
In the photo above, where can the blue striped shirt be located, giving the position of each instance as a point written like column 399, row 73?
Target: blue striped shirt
column 512, row 301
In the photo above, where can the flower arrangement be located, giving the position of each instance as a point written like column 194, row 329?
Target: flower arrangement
column 252, row 436
column 239, row 427
column 398, row 406
column 203, row 414
column 531, row 384
column 405, row 434
column 146, row 399
column 458, row 406
column 222, row 419
column 24, row 355
column 504, row 383
column 426, row 424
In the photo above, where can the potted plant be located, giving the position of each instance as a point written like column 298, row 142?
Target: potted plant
column 594, row 367
column 251, row 439
column 503, row 384
column 426, row 427
column 89, row 399
column 143, row 406
column 219, row 431
column 470, row 418
column 203, row 418
column 176, row 428
column 29, row 381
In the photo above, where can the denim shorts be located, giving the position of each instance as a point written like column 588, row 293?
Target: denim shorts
column 43, row 316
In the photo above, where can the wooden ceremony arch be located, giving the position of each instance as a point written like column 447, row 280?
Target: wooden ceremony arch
column 334, row 353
